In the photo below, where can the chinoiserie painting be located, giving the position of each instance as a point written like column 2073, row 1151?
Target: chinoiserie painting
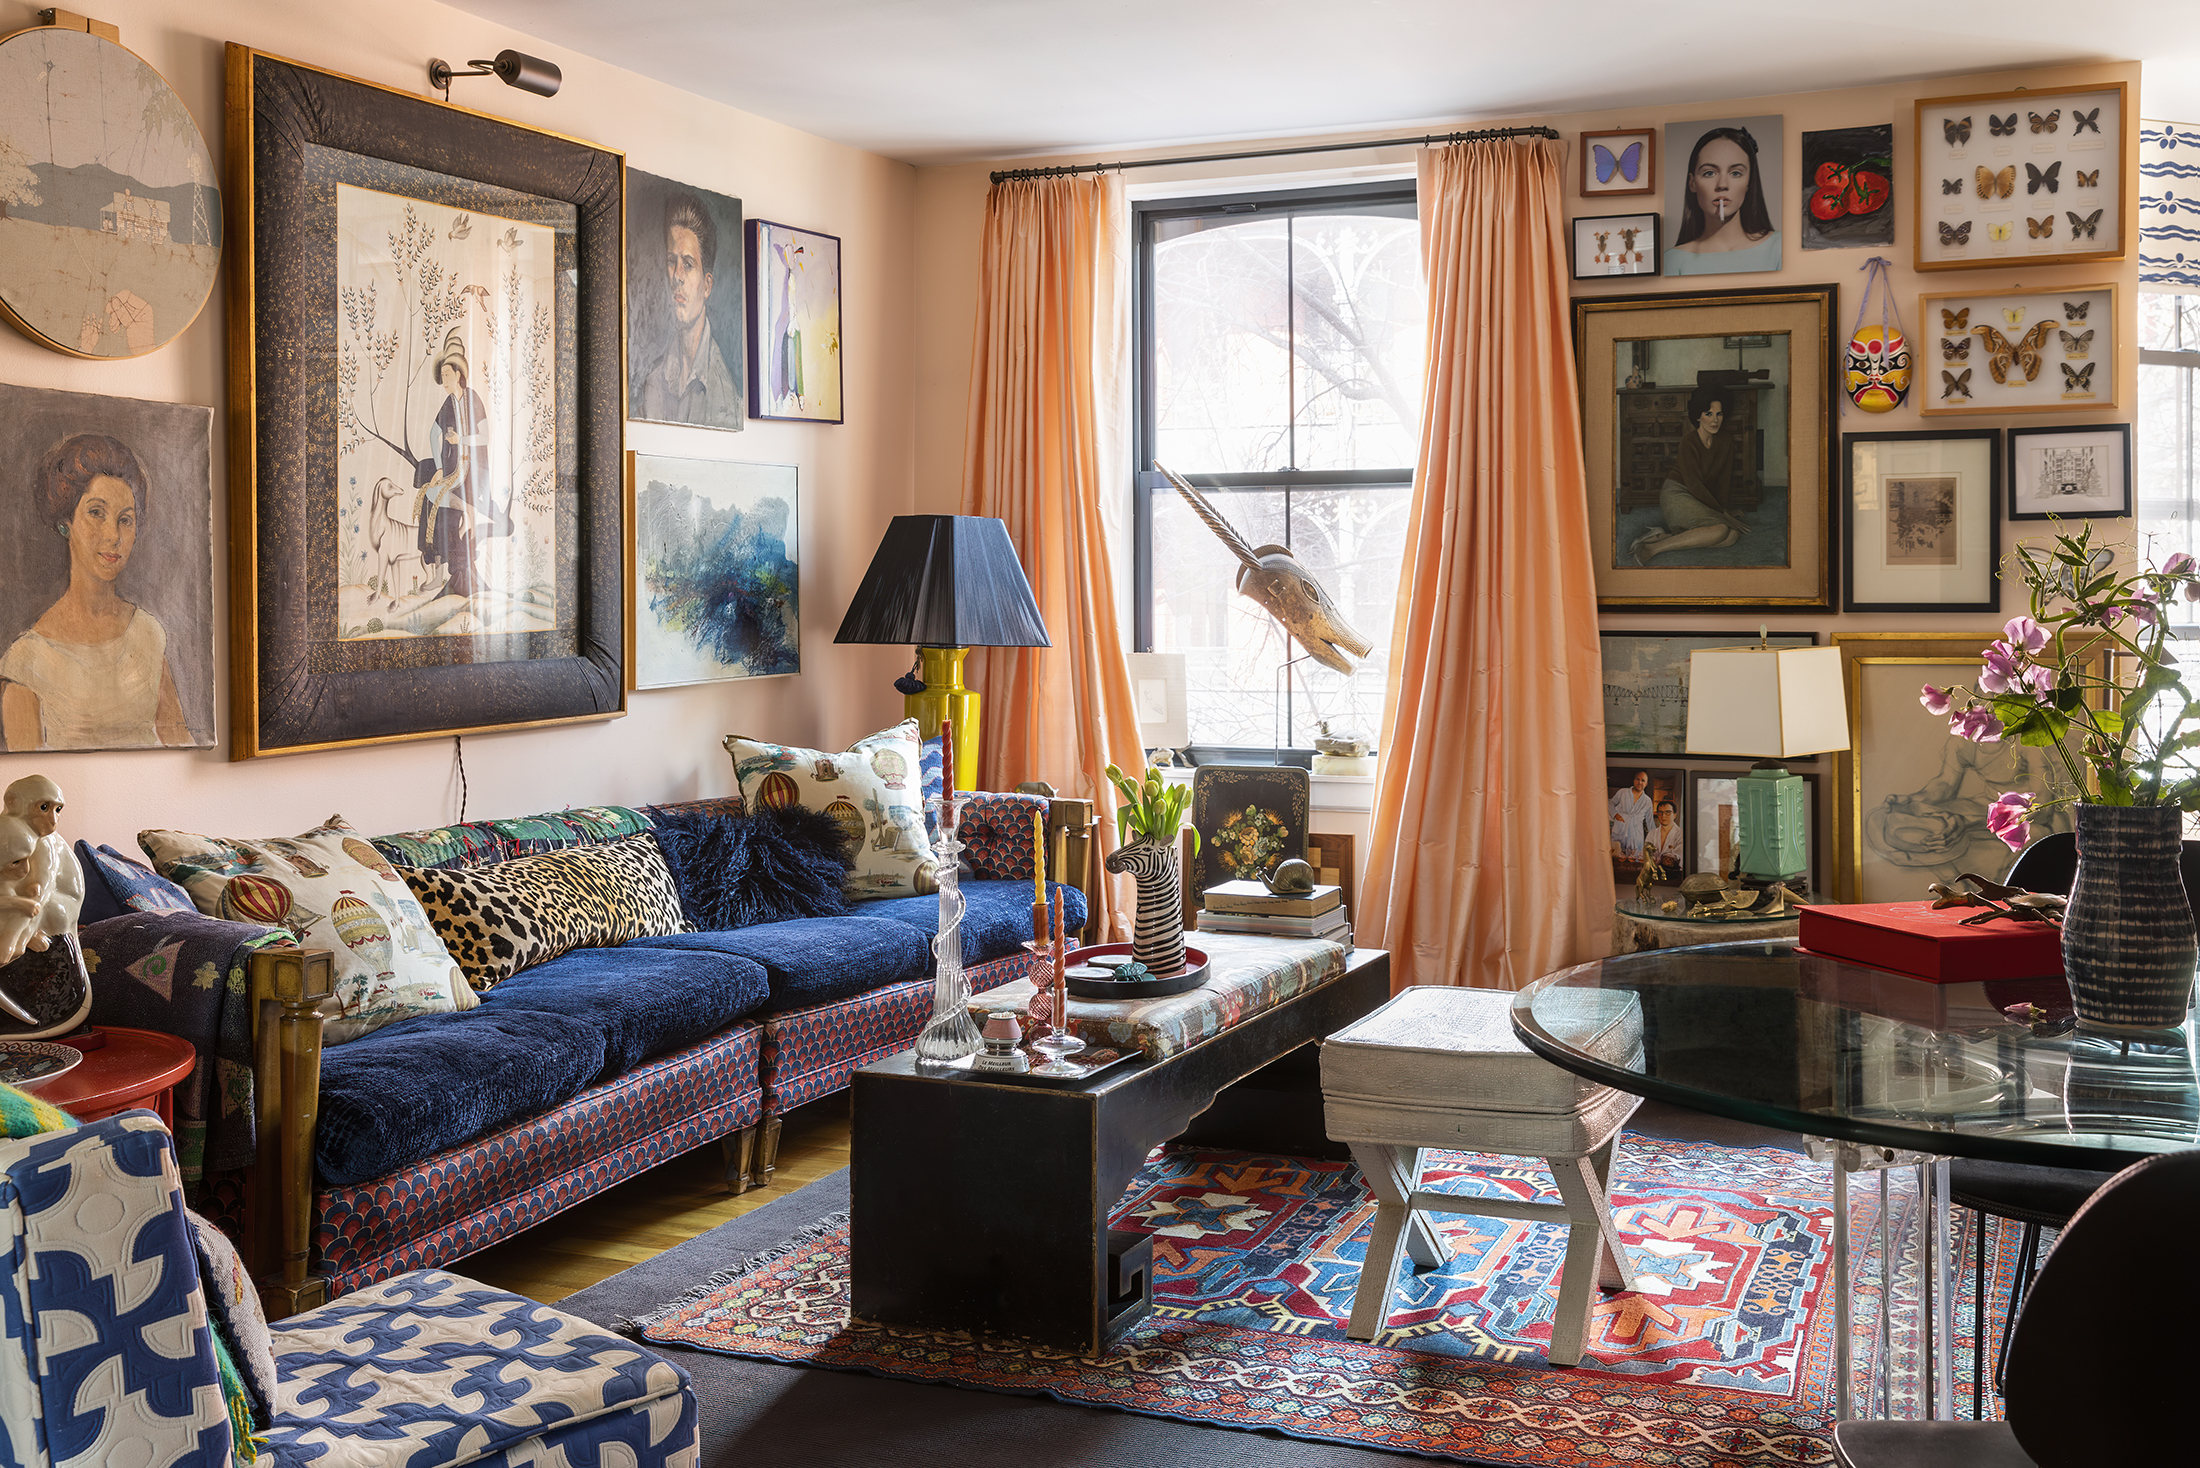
column 447, row 461
column 716, row 584
column 1722, row 196
column 106, row 572
column 1703, row 452
column 683, row 304
column 110, row 218
column 794, row 332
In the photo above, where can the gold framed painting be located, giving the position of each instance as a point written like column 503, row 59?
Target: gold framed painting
column 1707, row 431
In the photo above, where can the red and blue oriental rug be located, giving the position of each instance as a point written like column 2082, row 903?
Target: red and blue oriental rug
column 1721, row 1355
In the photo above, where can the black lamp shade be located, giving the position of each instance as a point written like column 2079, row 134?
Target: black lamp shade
column 945, row 581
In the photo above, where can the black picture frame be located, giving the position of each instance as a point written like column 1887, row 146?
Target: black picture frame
column 2023, row 488
column 770, row 396
column 1592, row 261
column 1942, row 468
column 1697, row 777
column 297, row 685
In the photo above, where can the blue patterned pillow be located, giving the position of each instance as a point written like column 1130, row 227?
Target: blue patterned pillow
column 131, row 886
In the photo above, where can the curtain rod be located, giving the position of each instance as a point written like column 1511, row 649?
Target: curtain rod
column 1067, row 170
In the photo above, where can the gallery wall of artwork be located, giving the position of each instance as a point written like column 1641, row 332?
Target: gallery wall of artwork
column 852, row 475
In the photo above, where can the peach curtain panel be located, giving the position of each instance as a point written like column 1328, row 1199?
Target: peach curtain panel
column 1491, row 855
column 1033, row 457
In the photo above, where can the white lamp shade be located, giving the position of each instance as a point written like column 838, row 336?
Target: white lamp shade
column 1767, row 703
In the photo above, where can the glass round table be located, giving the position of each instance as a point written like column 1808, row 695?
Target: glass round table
column 1881, row 1071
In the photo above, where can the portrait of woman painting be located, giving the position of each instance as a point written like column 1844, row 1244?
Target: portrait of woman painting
column 1723, row 201
column 106, row 573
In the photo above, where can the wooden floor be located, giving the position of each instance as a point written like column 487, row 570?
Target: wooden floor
column 646, row 1215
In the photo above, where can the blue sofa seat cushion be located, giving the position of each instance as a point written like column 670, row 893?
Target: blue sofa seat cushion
column 409, row 1090
column 996, row 923
column 817, row 960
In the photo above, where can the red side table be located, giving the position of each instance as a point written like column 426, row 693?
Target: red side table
column 134, row 1068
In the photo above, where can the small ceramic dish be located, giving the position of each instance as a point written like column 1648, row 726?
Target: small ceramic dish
column 29, row 1064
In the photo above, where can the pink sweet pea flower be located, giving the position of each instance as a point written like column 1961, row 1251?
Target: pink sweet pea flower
column 1977, row 725
column 1936, row 700
column 2141, row 611
column 2026, row 636
column 2010, row 818
column 2179, row 564
column 2004, row 668
column 2038, row 679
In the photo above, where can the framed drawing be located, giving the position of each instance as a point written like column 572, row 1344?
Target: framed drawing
column 110, row 217
column 427, row 417
column 1723, row 201
column 1615, row 244
column 2081, row 472
column 1619, row 161
column 1713, row 836
column 1644, row 804
column 106, row 572
column 794, row 330
column 2042, row 350
column 1923, row 528
column 683, row 304
column 1706, row 421
column 714, row 574
column 1249, row 817
column 2024, row 178
column 1848, row 173
column 1646, row 684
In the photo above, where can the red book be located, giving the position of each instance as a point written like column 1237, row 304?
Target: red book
column 1912, row 938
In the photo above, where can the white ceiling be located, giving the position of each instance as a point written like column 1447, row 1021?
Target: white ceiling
column 947, row 81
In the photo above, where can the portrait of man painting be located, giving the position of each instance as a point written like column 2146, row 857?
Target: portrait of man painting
column 1703, row 451
column 683, row 304
column 717, row 585
column 106, row 572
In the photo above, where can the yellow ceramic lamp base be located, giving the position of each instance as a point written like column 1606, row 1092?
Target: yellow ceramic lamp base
column 944, row 696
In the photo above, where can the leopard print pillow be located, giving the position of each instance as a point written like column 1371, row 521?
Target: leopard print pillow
column 498, row 920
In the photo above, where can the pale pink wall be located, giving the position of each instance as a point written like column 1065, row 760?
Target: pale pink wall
column 853, row 477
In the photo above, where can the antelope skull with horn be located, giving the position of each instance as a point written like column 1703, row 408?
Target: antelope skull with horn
column 1273, row 577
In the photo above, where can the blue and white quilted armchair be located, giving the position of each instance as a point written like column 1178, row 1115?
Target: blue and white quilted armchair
column 109, row 1357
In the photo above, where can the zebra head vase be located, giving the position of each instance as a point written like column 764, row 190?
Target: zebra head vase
column 1158, row 942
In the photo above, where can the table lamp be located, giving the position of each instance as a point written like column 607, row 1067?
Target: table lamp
column 1775, row 704
column 947, row 583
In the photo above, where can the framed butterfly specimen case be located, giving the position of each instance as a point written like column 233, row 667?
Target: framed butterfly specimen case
column 1615, row 244
column 1621, row 162
column 2024, row 177
column 2047, row 350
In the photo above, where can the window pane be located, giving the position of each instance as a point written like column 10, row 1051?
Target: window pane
column 2169, row 323
column 1355, row 542
column 1360, row 310
column 2167, row 426
column 1221, row 349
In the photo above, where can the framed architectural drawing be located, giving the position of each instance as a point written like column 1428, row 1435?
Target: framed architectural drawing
column 683, row 304
column 2081, row 472
column 1920, row 511
column 2042, row 350
column 1646, row 684
column 428, row 409
column 106, row 572
column 2024, row 178
column 794, row 329
column 715, row 577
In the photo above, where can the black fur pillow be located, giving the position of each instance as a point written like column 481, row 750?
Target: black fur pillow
column 736, row 871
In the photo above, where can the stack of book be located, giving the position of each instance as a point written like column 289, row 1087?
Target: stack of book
column 1249, row 907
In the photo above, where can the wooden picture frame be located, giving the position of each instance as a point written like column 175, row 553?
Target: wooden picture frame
column 1646, row 684
column 1921, row 521
column 1704, row 846
column 1642, row 359
column 2040, row 161
column 2058, row 349
column 537, row 635
column 2078, row 472
column 1608, row 245
column 1613, row 165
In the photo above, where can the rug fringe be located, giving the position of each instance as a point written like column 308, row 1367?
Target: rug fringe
column 808, row 1233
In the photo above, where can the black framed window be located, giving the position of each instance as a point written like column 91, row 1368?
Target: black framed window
column 1279, row 347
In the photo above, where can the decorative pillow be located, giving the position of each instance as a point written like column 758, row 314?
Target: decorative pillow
column 240, row 1325
column 511, row 916
column 331, row 890
column 131, row 885
column 735, row 871
column 995, row 830
column 873, row 792
column 24, row 1115
column 481, row 843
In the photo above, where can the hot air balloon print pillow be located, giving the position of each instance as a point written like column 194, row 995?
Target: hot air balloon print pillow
column 874, row 790
column 332, row 890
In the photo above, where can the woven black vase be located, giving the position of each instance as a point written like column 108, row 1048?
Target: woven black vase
column 2128, row 947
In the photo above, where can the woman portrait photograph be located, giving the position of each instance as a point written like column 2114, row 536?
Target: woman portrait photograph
column 106, row 573
column 1723, row 196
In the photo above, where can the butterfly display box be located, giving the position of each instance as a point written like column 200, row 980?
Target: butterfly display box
column 2042, row 350
column 2025, row 178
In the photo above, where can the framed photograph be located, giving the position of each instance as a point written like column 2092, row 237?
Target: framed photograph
column 794, row 328
column 2081, row 472
column 715, row 572
column 1645, row 804
column 1249, row 817
column 1646, row 684
column 1722, row 196
column 1620, row 161
column 2042, row 350
column 683, row 304
column 1848, row 188
column 1923, row 532
column 1707, row 421
column 427, row 410
column 1714, row 834
column 106, row 572
column 2025, row 178
column 1615, row 244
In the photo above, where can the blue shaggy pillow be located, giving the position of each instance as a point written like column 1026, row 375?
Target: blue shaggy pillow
column 736, row 871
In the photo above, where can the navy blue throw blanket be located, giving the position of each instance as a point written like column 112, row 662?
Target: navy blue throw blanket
column 737, row 871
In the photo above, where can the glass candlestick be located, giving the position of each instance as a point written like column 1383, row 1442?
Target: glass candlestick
column 950, row 1034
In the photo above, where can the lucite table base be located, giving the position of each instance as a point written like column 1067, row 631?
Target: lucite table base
column 1935, row 1275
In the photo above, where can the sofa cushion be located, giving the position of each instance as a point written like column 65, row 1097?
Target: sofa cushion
column 114, row 884
column 874, row 791
column 995, row 830
column 734, row 871
column 483, row 843
column 996, row 919
column 643, row 1001
column 501, row 919
column 333, row 891
column 816, row 960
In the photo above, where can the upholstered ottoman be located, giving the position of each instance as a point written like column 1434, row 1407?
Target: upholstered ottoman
column 1439, row 1067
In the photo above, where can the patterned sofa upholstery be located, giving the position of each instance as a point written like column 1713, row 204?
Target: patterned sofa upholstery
column 110, row 1356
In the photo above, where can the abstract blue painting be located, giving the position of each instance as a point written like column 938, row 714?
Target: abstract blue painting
column 715, row 577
